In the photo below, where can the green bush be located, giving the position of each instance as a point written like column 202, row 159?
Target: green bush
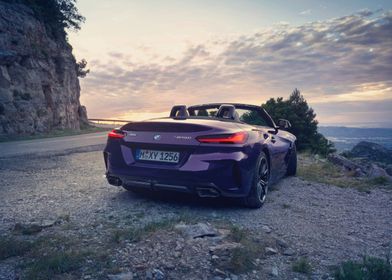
column 58, row 15
column 369, row 268
column 302, row 118
column 302, row 265
column 48, row 267
column 10, row 247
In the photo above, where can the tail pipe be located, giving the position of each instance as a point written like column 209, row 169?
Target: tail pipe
column 115, row 181
column 207, row 192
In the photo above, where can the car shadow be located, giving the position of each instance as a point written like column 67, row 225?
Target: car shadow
column 176, row 199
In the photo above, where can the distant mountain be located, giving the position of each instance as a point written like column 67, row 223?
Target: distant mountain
column 345, row 138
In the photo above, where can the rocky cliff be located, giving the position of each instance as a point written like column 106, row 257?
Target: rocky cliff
column 39, row 87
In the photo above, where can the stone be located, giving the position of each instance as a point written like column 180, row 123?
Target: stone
column 149, row 274
column 199, row 230
column 219, row 272
column 158, row 274
column 121, row 276
column 48, row 223
column 266, row 229
column 225, row 247
column 274, row 271
column 289, row 252
column 376, row 171
column 359, row 173
column 388, row 169
column 344, row 162
column 282, row 243
column 270, row 251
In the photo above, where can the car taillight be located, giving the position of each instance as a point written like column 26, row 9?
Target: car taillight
column 116, row 133
column 236, row 138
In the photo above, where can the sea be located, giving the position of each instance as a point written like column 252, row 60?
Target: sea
column 345, row 138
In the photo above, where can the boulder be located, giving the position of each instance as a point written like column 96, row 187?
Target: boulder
column 371, row 151
column 344, row 162
column 199, row 230
column 388, row 169
column 376, row 171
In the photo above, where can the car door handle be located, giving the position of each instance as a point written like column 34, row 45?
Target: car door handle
column 273, row 140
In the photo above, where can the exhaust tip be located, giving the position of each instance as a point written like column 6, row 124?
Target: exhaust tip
column 115, row 181
column 207, row 192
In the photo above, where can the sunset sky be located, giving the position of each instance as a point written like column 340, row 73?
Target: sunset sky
column 145, row 56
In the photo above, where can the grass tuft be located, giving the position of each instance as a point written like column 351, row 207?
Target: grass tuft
column 241, row 258
column 10, row 247
column 237, row 234
column 48, row 267
column 327, row 173
column 368, row 268
column 302, row 265
column 133, row 234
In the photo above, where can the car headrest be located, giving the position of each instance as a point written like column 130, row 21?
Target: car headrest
column 226, row 111
column 179, row 111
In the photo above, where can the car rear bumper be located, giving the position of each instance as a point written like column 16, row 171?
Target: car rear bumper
column 207, row 173
column 200, row 189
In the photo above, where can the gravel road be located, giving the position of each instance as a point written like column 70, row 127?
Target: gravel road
column 326, row 224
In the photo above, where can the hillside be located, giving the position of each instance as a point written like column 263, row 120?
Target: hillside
column 39, row 87
column 345, row 138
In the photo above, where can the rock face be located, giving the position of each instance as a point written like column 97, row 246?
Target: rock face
column 39, row 87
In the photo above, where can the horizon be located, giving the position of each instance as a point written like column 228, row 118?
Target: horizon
column 146, row 57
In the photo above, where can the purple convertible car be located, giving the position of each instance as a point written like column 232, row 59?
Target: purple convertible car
column 228, row 150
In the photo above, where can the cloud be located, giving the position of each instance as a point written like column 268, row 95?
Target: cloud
column 305, row 13
column 338, row 60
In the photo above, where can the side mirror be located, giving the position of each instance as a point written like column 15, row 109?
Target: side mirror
column 284, row 124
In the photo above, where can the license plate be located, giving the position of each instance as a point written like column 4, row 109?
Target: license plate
column 153, row 155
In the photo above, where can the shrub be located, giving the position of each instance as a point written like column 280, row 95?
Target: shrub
column 302, row 118
column 57, row 15
column 10, row 247
column 49, row 266
column 302, row 265
column 367, row 269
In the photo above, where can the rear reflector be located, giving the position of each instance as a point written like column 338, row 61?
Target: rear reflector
column 116, row 133
column 236, row 138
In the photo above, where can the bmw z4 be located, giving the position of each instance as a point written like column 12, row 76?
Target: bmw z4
column 210, row 150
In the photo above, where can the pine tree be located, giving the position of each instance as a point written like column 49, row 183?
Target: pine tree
column 303, row 121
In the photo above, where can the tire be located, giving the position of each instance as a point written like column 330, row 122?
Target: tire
column 259, row 188
column 292, row 164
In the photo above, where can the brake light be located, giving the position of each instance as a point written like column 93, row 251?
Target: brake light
column 236, row 138
column 116, row 133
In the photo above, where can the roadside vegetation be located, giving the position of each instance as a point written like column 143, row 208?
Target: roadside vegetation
column 368, row 268
column 322, row 171
column 50, row 256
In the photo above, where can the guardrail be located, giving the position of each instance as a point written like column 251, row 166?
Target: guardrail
column 107, row 122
